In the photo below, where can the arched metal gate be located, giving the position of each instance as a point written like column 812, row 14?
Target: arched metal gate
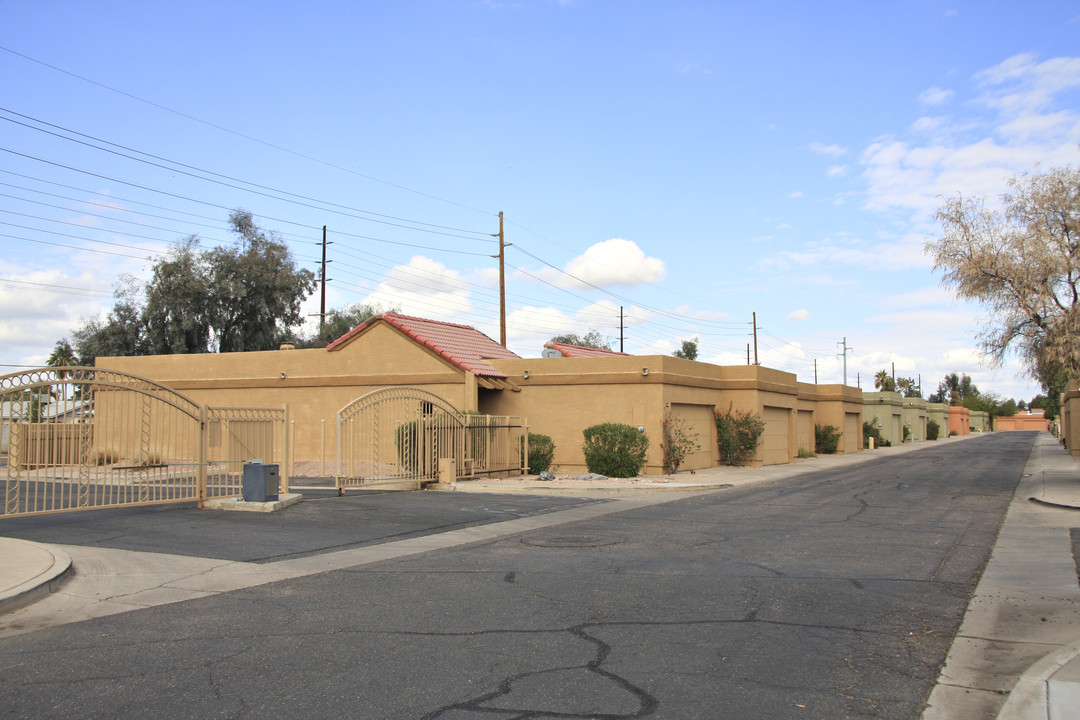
column 79, row 438
column 406, row 434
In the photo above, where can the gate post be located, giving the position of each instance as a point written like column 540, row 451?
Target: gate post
column 289, row 438
column 203, row 453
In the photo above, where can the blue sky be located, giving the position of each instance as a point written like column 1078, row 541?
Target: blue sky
column 691, row 162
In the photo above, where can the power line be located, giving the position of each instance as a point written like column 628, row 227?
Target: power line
column 230, row 210
column 72, row 247
column 242, row 135
column 52, row 288
column 221, row 179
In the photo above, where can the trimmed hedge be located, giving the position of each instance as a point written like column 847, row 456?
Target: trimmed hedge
column 933, row 430
column 615, row 450
column 541, row 452
column 827, row 439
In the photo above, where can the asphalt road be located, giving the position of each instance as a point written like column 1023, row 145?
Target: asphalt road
column 829, row 595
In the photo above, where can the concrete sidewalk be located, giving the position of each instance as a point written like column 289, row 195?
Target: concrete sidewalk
column 1017, row 652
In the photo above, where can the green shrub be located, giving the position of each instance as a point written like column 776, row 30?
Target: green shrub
column 907, row 433
column 827, row 439
column 678, row 442
column 804, row 453
column 541, row 452
column 615, row 450
column 413, row 440
column 933, row 430
column 737, row 435
column 871, row 431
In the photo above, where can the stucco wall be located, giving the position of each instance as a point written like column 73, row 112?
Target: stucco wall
column 959, row 420
column 1022, row 421
column 558, row 397
column 939, row 413
column 886, row 411
column 1070, row 419
column 915, row 416
column 315, row 383
column 562, row 396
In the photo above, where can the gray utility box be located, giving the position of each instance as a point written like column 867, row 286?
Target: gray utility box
column 260, row 482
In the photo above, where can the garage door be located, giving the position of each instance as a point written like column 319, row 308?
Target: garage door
column 852, row 425
column 806, row 431
column 774, row 448
column 698, row 419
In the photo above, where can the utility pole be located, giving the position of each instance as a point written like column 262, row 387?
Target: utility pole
column 815, row 371
column 322, row 303
column 755, row 339
column 844, row 355
column 502, row 280
column 747, row 353
column 620, row 328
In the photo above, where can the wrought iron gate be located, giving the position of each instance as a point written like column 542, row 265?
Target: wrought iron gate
column 79, row 438
column 406, row 434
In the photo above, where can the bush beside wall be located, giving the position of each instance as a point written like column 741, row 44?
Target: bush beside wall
column 737, row 435
column 827, row 439
column 615, row 450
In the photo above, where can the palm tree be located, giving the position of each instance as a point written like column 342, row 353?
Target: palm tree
column 62, row 356
column 883, row 382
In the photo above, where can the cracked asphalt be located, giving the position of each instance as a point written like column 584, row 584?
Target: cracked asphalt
column 834, row 594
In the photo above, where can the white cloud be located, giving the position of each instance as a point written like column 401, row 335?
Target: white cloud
column 830, row 150
column 425, row 288
column 921, row 298
column 837, row 170
column 801, row 314
column 34, row 316
column 935, row 96
column 929, row 125
column 612, row 262
column 487, row 277
column 1021, row 84
column 894, row 254
column 975, row 156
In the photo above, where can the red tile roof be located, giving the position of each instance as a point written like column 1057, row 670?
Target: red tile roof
column 463, row 345
column 568, row 350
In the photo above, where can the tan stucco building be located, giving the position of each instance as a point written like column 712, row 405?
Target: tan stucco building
column 558, row 396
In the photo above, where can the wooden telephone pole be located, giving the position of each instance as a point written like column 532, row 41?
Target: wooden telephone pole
column 502, row 282
column 755, row 340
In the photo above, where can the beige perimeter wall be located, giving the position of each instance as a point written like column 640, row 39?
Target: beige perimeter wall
column 315, row 384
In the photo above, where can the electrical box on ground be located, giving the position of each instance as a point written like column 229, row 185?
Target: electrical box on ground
column 260, row 482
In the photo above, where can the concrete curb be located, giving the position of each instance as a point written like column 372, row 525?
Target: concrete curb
column 1050, row 503
column 1048, row 690
column 44, row 568
column 285, row 500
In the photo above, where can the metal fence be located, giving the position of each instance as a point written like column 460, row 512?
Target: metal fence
column 76, row 438
column 405, row 434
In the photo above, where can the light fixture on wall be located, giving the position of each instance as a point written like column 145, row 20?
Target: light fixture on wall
column 525, row 374
column 644, row 371
column 282, row 376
